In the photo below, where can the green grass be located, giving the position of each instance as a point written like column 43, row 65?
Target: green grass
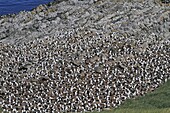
column 157, row 101
column 165, row 110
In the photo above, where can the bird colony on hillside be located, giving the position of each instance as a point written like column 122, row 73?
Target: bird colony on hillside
column 120, row 52
column 79, row 73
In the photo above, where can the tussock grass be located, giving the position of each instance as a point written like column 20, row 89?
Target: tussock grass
column 157, row 101
column 166, row 110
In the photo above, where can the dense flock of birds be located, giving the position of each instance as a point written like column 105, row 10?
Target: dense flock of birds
column 91, row 67
column 80, row 73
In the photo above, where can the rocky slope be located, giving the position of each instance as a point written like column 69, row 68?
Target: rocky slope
column 76, row 55
column 67, row 17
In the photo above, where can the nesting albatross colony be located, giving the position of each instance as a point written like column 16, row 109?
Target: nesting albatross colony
column 83, row 55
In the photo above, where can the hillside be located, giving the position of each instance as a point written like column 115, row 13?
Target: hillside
column 83, row 55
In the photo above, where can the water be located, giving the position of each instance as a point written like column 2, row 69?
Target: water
column 15, row 6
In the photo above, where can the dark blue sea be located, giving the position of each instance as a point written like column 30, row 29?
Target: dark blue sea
column 15, row 6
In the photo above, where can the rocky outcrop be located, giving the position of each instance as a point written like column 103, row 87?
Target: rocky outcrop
column 83, row 55
column 67, row 17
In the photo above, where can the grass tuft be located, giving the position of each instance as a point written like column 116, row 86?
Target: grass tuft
column 157, row 101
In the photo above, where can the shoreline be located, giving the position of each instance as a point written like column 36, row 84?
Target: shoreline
column 16, row 13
